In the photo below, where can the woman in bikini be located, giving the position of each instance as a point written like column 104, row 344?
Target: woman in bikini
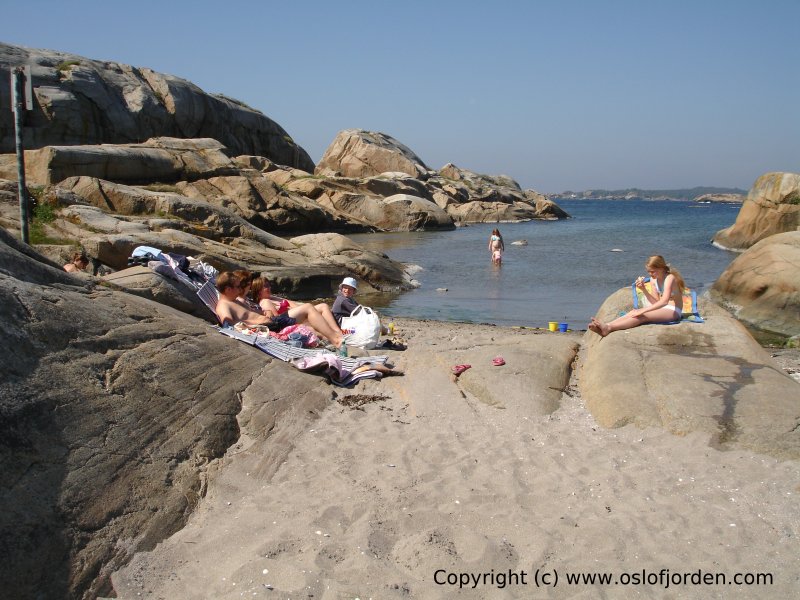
column 496, row 246
column 665, row 305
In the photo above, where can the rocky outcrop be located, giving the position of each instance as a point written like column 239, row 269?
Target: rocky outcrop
column 762, row 286
column 711, row 377
column 113, row 411
column 84, row 101
column 772, row 206
column 361, row 167
column 160, row 159
column 359, row 153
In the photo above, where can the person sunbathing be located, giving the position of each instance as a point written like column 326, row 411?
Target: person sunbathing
column 78, row 263
column 665, row 305
column 228, row 310
column 260, row 294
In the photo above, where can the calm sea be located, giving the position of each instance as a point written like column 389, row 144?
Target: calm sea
column 564, row 273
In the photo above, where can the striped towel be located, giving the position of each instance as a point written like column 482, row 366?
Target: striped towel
column 210, row 296
column 285, row 352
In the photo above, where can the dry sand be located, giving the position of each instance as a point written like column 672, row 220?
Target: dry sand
column 434, row 477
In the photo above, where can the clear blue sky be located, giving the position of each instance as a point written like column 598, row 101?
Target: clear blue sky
column 559, row 95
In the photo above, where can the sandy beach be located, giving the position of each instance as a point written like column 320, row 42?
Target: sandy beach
column 494, row 484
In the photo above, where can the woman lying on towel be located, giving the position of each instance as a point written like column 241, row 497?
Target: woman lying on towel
column 664, row 306
column 260, row 294
column 229, row 310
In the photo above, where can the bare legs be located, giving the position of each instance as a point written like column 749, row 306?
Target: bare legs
column 633, row 319
column 307, row 313
column 323, row 309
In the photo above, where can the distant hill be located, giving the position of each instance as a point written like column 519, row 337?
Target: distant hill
column 639, row 194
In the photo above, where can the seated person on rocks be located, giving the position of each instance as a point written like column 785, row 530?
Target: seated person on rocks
column 345, row 302
column 260, row 294
column 665, row 306
column 229, row 310
column 78, row 263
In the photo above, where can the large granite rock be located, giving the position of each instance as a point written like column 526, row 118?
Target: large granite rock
column 711, row 377
column 359, row 153
column 113, row 411
column 762, row 286
column 157, row 159
column 84, row 101
column 772, row 206
column 109, row 220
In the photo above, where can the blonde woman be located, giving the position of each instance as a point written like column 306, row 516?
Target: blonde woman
column 666, row 304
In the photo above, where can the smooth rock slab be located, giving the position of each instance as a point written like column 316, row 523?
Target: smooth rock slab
column 711, row 377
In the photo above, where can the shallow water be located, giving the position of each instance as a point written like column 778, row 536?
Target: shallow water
column 564, row 273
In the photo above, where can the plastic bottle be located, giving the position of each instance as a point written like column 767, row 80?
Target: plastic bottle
column 343, row 349
column 391, row 328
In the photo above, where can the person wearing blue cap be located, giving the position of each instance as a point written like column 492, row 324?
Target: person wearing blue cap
column 345, row 302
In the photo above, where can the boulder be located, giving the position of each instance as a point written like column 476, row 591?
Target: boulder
column 762, row 286
column 113, row 413
column 84, row 101
column 143, row 281
column 772, row 206
column 711, row 377
column 158, row 159
column 401, row 212
column 359, row 153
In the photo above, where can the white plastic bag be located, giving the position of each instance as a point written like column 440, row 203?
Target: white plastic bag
column 362, row 328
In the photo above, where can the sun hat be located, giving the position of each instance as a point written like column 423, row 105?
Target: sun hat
column 349, row 281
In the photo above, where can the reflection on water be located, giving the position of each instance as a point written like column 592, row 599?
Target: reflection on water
column 564, row 273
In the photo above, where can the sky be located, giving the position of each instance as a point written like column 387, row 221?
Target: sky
column 560, row 95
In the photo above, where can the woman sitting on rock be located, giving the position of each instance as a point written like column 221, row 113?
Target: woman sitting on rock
column 666, row 304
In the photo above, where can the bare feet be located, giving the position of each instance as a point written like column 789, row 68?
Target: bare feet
column 600, row 328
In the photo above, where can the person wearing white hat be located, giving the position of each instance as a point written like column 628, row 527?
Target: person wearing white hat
column 345, row 302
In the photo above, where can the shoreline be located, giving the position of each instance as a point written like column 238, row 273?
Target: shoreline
column 500, row 469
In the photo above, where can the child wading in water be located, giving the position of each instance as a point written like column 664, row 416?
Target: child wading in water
column 665, row 306
column 496, row 246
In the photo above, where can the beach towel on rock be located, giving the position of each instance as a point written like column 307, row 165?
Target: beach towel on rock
column 689, row 309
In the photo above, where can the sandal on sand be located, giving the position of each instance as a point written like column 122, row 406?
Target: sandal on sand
column 459, row 369
column 391, row 345
column 498, row 361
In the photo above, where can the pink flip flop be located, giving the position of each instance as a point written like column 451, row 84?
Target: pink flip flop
column 459, row 369
column 498, row 361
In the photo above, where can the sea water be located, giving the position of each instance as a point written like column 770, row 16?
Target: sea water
column 566, row 270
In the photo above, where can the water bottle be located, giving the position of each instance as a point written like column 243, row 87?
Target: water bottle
column 343, row 349
column 391, row 328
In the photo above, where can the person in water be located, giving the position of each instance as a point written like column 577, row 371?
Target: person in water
column 665, row 305
column 496, row 246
